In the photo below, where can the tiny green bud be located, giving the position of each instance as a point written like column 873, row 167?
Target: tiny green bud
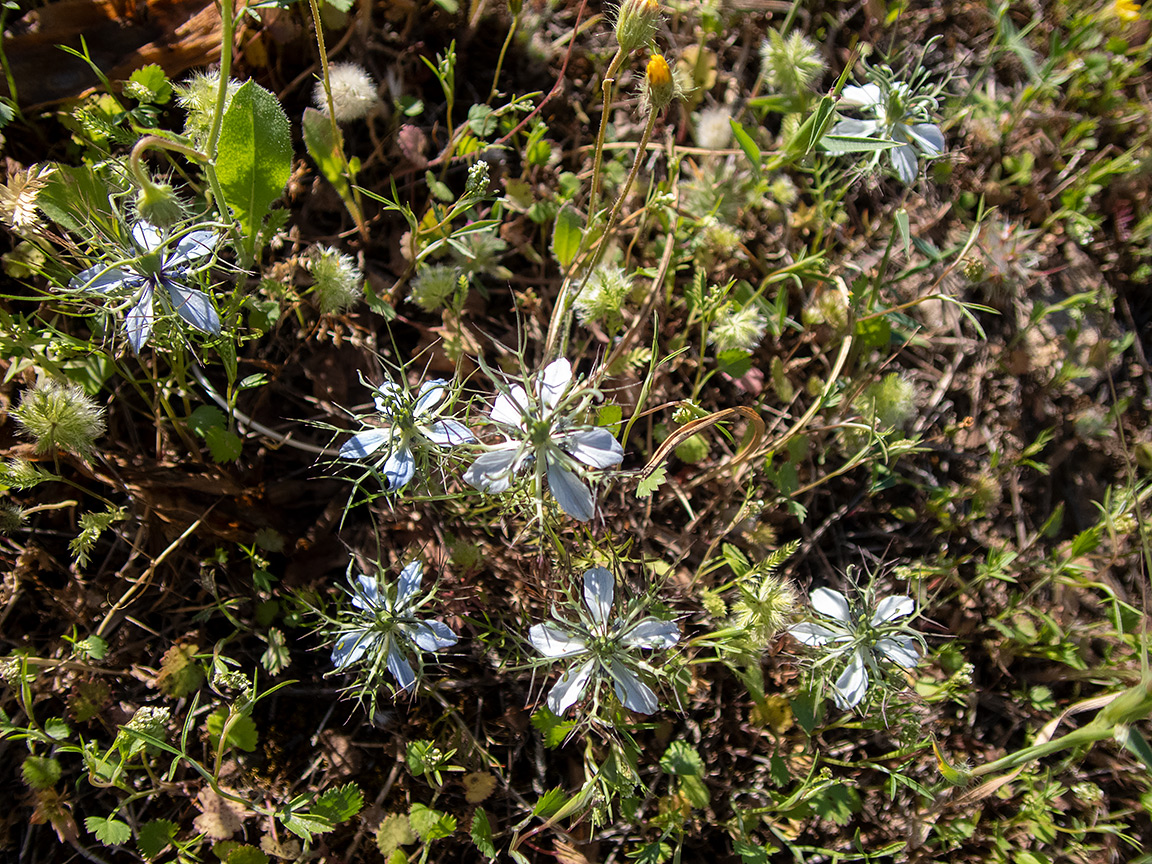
column 636, row 23
column 60, row 417
column 158, row 204
column 477, row 183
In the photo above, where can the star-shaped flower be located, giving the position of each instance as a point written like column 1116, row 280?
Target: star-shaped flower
column 402, row 424
column 543, row 430
column 862, row 632
column 157, row 265
column 387, row 629
column 602, row 648
column 898, row 117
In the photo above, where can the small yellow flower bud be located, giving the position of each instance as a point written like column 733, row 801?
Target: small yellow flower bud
column 636, row 23
column 659, row 87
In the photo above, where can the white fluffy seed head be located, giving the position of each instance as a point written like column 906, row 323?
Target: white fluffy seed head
column 713, row 129
column 353, row 92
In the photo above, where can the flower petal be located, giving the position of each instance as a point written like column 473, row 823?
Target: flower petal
column 510, row 408
column 448, row 433
column 432, row 635
column 400, row 668
column 193, row 306
column 364, row 444
column 430, row 395
column 814, row 634
column 408, row 583
column 567, row 691
column 891, row 608
column 554, row 381
column 366, row 592
column 904, row 161
column 831, row 604
column 599, row 589
column 350, row 647
column 388, row 393
column 867, row 96
column 571, row 493
column 399, row 467
column 551, row 640
column 927, row 137
column 595, row 447
column 901, row 650
column 102, row 280
column 852, row 684
column 138, row 321
column 634, row 693
column 855, row 128
column 147, row 237
column 192, row 247
column 492, row 471
column 652, row 633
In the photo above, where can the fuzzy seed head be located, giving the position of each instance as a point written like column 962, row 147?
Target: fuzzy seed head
column 353, row 92
column 790, row 66
column 713, row 128
column 197, row 96
column 766, row 604
column 603, row 297
column 433, row 286
column 60, row 417
column 12, row 518
column 636, row 23
column 891, row 401
column 741, row 329
column 338, row 281
column 18, row 197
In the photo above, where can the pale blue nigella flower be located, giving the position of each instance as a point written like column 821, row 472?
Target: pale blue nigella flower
column 388, row 627
column 898, row 116
column 603, row 647
column 863, row 632
column 541, row 432
column 402, row 423
column 157, row 265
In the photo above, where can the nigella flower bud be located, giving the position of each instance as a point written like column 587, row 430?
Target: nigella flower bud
column 636, row 23
column 353, row 92
column 659, row 85
column 338, row 281
column 158, row 204
column 60, row 417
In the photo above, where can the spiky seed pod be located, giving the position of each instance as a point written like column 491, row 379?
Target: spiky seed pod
column 636, row 23
column 60, row 417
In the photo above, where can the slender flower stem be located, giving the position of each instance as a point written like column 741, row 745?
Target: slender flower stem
column 500, row 59
column 155, row 142
column 609, row 87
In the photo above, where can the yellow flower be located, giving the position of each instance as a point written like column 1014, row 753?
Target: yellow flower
column 659, row 88
column 1126, row 10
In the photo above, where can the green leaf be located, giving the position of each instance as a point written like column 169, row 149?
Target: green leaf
column 682, row 759
column 149, row 84
column 340, row 804
column 394, row 831
column 874, row 332
column 239, row 853
column 57, row 729
column 242, row 735
column 653, row 853
column 224, row 445
column 736, row 559
column 304, row 824
column 481, row 120
column 1136, row 744
column 430, row 824
column 566, row 236
column 842, row 145
column 752, row 854
column 110, row 832
column 905, row 230
column 154, row 837
column 746, row 143
column 254, row 157
column 550, row 802
column 318, row 138
column 206, row 417
column 652, row 482
column 40, row 772
column 553, row 728
column 482, row 834
column 735, row 362
column 812, row 130
column 694, row 790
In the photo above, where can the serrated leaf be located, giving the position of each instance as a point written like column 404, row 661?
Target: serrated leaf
column 652, row 482
column 149, row 84
column 340, row 804
column 682, row 759
column 478, row 786
column 179, row 674
column 550, row 802
column 206, row 417
column 746, row 143
column 430, row 824
column 223, row 444
column 242, row 735
column 239, row 853
column 109, row 831
column 254, row 156
column 566, row 236
column 652, row 853
column 694, row 791
column 553, row 728
column 57, row 729
column 482, row 834
column 874, row 332
column 394, row 831
column 40, row 772
column 154, row 837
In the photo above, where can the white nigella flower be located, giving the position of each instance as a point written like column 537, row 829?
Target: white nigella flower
column 542, row 433
column 387, row 629
column 601, row 648
column 897, row 116
column 860, row 632
column 401, row 424
column 157, row 265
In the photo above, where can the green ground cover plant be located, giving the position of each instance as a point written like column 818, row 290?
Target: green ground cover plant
column 553, row 431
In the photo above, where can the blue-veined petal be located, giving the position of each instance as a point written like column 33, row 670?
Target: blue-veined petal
column 192, row 247
column 831, row 604
column 193, row 306
column 599, row 588
column 815, row 634
column 634, row 693
column 867, row 96
column 399, row 467
column 432, row 635
column 387, row 395
column 568, row 690
column 492, row 471
column 904, row 160
column 891, row 608
column 855, row 128
column 138, row 321
column 351, row 646
column 400, row 668
column 147, row 237
column 927, row 137
column 552, row 640
column 901, row 650
column 571, row 494
column 364, row 444
column 448, row 433
column 408, row 583
column 652, row 633
column 430, row 395
column 510, row 408
column 852, row 684
column 554, row 381
column 595, row 447
column 366, row 592
column 101, row 279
